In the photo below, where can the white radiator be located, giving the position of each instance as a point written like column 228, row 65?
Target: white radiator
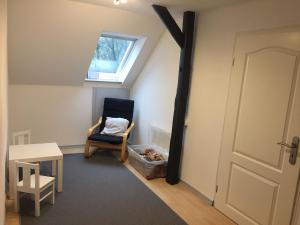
column 160, row 137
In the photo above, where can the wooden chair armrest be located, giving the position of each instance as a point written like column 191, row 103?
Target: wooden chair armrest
column 92, row 129
column 125, row 135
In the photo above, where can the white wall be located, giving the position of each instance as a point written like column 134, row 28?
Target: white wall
column 59, row 114
column 52, row 42
column 216, row 31
column 297, row 208
column 3, row 106
column 213, row 60
column 154, row 90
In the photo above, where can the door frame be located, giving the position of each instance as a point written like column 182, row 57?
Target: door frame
column 295, row 215
column 296, row 210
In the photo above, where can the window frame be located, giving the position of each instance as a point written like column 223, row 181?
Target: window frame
column 115, row 77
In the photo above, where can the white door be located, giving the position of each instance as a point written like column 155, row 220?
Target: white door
column 256, row 181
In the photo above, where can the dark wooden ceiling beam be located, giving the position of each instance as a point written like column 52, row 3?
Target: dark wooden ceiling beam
column 170, row 23
column 185, row 40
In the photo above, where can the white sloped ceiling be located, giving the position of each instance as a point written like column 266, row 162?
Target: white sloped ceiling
column 51, row 42
column 175, row 6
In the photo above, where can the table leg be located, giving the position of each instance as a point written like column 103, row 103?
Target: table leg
column 53, row 168
column 60, row 175
column 12, row 177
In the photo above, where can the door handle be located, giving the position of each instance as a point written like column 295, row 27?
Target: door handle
column 292, row 149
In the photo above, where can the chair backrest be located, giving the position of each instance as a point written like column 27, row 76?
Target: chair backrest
column 26, row 169
column 116, row 108
column 21, row 137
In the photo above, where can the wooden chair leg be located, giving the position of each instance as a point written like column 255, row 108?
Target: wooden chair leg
column 87, row 149
column 37, row 204
column 123, row 152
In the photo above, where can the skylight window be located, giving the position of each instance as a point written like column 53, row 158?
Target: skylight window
column 110, row 58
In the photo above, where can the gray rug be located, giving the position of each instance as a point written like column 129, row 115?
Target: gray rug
column 99, row 191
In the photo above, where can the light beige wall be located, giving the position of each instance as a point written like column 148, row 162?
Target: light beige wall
column 297, row 208
column 154, row 90
column 52, row 42
column 214, row 45
column 3, row 105
column 213, row 60
column 59, row 114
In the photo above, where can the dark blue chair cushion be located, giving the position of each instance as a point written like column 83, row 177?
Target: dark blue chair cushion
column 117, row 108
column 106, row 138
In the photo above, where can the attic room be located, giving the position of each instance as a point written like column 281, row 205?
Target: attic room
column 199, row 101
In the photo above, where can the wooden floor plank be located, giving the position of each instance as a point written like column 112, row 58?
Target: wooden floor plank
column 12, row 218
column 184, row 201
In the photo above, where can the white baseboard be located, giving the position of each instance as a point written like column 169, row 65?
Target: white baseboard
column 73, row 149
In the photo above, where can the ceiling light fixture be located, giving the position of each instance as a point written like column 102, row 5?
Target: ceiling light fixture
column 117, row 2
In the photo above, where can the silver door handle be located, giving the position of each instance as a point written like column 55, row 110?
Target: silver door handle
column 285, row 145
column 293, row 149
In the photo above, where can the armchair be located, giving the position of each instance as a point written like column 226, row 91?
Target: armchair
column 112, row 108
